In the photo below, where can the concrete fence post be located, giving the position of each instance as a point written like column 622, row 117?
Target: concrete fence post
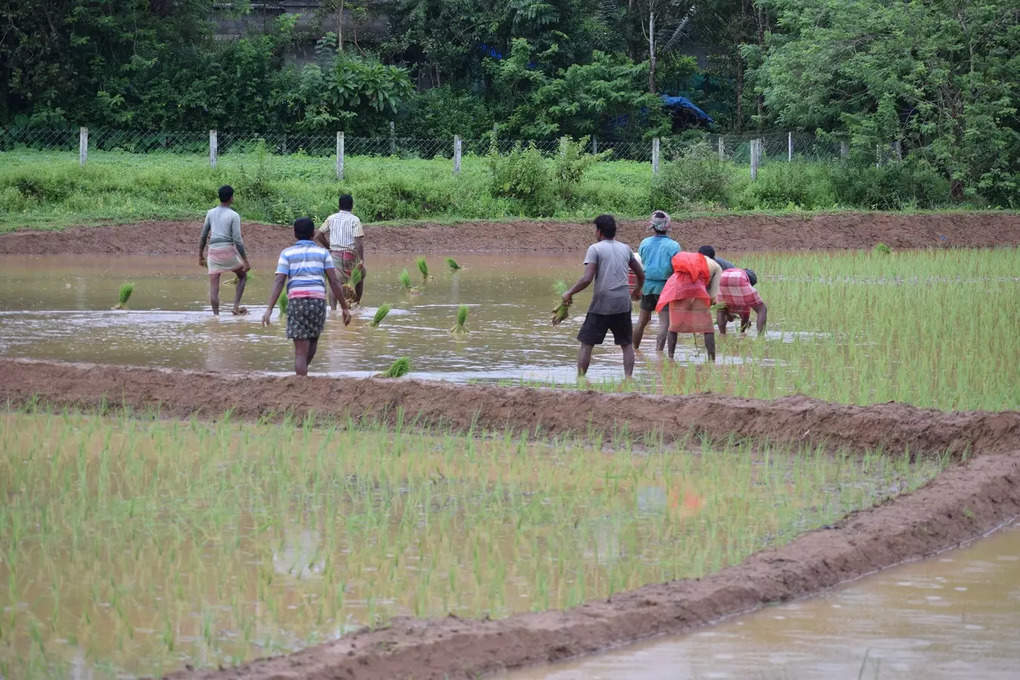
column 594, row 144
column 213, row 148
column 655, row 156
column 456, row 154
column 789, row 147
column 393, row 139
column 83, row 146
column 844, row 149
column 722, row 149
column 898, row 150
column 339, row 155
column 755, row 145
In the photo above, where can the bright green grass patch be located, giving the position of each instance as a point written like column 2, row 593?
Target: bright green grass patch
column 139, row 545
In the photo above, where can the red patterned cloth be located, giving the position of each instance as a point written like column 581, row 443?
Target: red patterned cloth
column 737, row 293
column 689, row 281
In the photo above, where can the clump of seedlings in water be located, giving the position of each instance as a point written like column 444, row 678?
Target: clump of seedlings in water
column 452, row 264
column 380, row 314
column 350, row 288
column 124, row 294
column 405, row 283
column 397, row 369
column 882, row 249
column 423, row 267
column 461, row 327
column 281, row 302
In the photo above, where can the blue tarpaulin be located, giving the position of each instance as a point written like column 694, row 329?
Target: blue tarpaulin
column 687, row 105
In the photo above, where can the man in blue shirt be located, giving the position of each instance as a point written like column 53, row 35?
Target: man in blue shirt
column 656, row 253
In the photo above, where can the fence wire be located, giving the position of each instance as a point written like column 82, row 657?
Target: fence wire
column 776, row 146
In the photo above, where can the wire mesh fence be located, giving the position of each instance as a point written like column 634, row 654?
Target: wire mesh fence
column 737, row 148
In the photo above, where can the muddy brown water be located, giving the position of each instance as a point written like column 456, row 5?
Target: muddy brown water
column 954, row 616
column 59, row 308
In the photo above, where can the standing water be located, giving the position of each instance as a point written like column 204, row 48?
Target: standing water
column 955, row 616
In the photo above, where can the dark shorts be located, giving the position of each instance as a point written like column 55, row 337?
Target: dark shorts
column 595, row 327
column 306, row 318
column 649, row 302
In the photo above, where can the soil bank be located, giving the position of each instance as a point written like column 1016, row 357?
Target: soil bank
column 726, row 233
column 967, row 500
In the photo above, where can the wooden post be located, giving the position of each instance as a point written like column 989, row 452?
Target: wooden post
column 844, row 149
column 456, row 154
column 789, row 147
column 212, row 148
column 594, row 145
column 340, row 156
column 722, row 149
column 898, row 150
column 754, row 159
column 393, row 139
column 655, row 156
column 83, row 146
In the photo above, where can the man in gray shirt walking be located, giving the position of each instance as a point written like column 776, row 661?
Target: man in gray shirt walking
column 606, row 263
column 222, row 233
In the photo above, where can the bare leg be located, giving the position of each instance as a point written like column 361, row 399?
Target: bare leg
column 359, row 290
column 313, row 345
column 721, row 319
column 660, row 338
column 584, row 359
column 639, row 332
column 332, row 300
column 301, row 348
column 745, row 322
column 672, row 344
column 214, row 293
column 242, row 281
column 628, row 360
column 710, row 345
column 761, row 313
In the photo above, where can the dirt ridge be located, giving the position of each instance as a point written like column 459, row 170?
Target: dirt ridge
column 728, row 232
column 798, row 419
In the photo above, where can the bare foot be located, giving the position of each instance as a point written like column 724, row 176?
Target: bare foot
column 239, row 311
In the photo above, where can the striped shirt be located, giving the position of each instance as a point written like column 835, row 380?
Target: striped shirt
column 305, row 264
column 343, row 228
column 223, row 226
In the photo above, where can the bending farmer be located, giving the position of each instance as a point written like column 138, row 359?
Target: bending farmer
column 303, row 267
column 689, row 293
column 655, row 252
column 606, row 263
column 222, row 231
column 344, row 236
column 737, row 297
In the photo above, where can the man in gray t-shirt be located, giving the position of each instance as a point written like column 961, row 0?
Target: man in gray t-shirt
column 607, row 263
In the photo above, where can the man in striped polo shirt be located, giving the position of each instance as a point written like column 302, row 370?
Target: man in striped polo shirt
column 343, row 234
column 302, row 267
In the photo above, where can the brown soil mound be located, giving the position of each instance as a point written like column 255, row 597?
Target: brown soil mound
column 892, row 427
column 730, row 233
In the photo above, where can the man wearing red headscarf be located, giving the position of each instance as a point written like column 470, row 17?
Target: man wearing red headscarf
column 689, row 293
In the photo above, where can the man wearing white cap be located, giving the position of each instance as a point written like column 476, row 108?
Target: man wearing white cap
column 656, row 253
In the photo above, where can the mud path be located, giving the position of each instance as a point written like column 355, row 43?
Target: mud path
column 965, row 501
column 728, row 233
column 892, row 427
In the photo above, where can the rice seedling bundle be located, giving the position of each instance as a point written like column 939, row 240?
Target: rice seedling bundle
column 452, row 264
column 405, row 280
column 281, row 302
column 560, row 313
column 460, row 327
column 380, row 314
column 423, row 267
column 397, row 369
column 124, row 294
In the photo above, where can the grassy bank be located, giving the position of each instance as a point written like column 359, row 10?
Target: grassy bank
column 49, row 190
column 136, row 546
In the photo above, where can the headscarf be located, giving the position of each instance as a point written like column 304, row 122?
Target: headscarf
column 659, row 221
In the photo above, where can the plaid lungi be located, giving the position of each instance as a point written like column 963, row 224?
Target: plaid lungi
column 690, row 315
column 223, row 257
column 345, row 261
column 737, row 293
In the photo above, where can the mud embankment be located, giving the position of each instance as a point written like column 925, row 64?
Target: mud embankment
column 965, row 501
column 728, row 233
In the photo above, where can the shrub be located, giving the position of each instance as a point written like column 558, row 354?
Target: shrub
column 907, row 184
column 696, row 177
column 522, row 176
column 785, row 185
column 570, row 165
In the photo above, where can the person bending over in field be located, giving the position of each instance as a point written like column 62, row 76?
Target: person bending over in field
column 303, row 267
column 737, row 297
column 222, row 232
column 709, row 251
column 344, row 236
column 606, row 263
column 689, row 293
column 655, row 253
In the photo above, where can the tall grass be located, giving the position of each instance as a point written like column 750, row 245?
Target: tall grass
column 136, row 545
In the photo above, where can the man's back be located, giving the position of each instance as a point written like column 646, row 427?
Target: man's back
column 224, row 225
column 343, row 228
column 611, row 291
column 656, row 256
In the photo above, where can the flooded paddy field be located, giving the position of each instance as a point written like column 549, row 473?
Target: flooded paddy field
column 954, row 616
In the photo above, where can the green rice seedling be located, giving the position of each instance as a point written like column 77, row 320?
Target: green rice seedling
column 281, row 302
column 882, row 249
column 452, row 264
column 405, row 280
column 423, row 267
column 397, row 369
column 560, row 312
column 380, row 314
column 560, row 287
column 357, row 276
column 124, row 294
column 460, row 328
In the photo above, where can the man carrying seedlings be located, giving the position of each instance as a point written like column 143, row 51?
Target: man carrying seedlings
column 344, row 236
column 606, row 263
column 737, row 297
column 689, row 293
column 222, row 232
column 303, row 267
column 655, row 252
